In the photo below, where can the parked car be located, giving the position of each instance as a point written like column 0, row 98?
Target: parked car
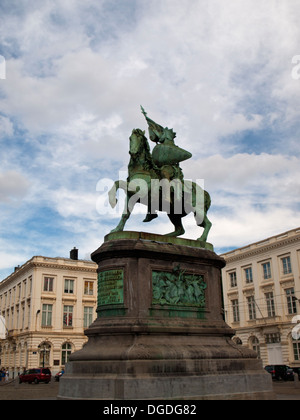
column 36, row 376
column 278, row 372
column 58, row 375
column 297, row 372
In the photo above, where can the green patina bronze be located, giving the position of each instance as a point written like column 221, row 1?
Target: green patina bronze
column 149, row 173
column 178, row 288
column 165, row 152
column 110, row 287
column 154, row 237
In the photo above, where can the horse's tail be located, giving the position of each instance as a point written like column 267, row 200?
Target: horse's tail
column 207, row 201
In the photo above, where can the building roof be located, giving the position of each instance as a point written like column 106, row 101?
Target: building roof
column 50, row 262
column 264, row 245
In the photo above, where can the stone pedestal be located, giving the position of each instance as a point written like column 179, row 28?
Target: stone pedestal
column 160, row 332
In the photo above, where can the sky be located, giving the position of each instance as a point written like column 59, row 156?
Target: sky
column 73, row 74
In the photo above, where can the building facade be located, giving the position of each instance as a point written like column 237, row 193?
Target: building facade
column 261, row 286
column 45, row 305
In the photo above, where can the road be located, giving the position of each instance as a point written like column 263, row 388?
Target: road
column 15, row 391
column 24, row 391
column 287, row 390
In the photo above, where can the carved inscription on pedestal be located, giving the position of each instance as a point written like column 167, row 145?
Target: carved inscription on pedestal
column 110, row 287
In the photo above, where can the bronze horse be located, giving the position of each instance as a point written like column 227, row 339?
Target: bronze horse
column 182, row 198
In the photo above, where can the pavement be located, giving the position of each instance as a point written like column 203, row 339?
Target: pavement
column 15, row 391
column 287, row 390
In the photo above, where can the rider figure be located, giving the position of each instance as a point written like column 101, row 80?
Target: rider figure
column 166, row 156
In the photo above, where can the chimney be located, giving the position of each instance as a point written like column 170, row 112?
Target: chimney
column 74, row 253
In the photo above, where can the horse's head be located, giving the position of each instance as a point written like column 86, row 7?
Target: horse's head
column 137, row 141
column 139, row 151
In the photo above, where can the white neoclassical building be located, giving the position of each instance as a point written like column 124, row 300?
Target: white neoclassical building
column 45, row 305
column 261, row 285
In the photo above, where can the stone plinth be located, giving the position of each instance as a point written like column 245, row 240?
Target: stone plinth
column 160, row 332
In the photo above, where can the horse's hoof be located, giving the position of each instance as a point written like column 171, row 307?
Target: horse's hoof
column 176, row 233
column 150, row 217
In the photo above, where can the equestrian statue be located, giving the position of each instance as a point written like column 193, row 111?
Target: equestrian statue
column 157, row 181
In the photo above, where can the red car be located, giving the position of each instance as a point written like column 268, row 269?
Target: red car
column 36, row 376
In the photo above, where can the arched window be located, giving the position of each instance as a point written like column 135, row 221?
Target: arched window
column 254, row 345
column 66, row 350
column 296, row 349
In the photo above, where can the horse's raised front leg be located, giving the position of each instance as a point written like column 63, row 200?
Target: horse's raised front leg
column 112, row 193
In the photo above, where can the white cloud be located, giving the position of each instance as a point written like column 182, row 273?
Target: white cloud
column 197, row 71
column 253, row 196
column 6, row 127
column 10, row 259
column 272, row 176
column 73, row 204
column 13, row 186
column 250, row 225
column 214, row 71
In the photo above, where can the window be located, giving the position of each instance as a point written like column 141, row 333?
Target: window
column 24, row 288
column 19, row 292
column 235, row 310
column 66, row 350
column 254, row 342
column 28, row 318
column 69, row 286
column 291, row 301
column 68, row 316
column 248, row 275
column 88, row 316
column 89, row 288
column 267, row 270
column 46, row 315
column 270, row 304
column 48, row 284
column 233, row 279
column 296, row 349
column 273, row 338
column 286, row 265
column 251, row 307
column 18, row 318
column 23, row 317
